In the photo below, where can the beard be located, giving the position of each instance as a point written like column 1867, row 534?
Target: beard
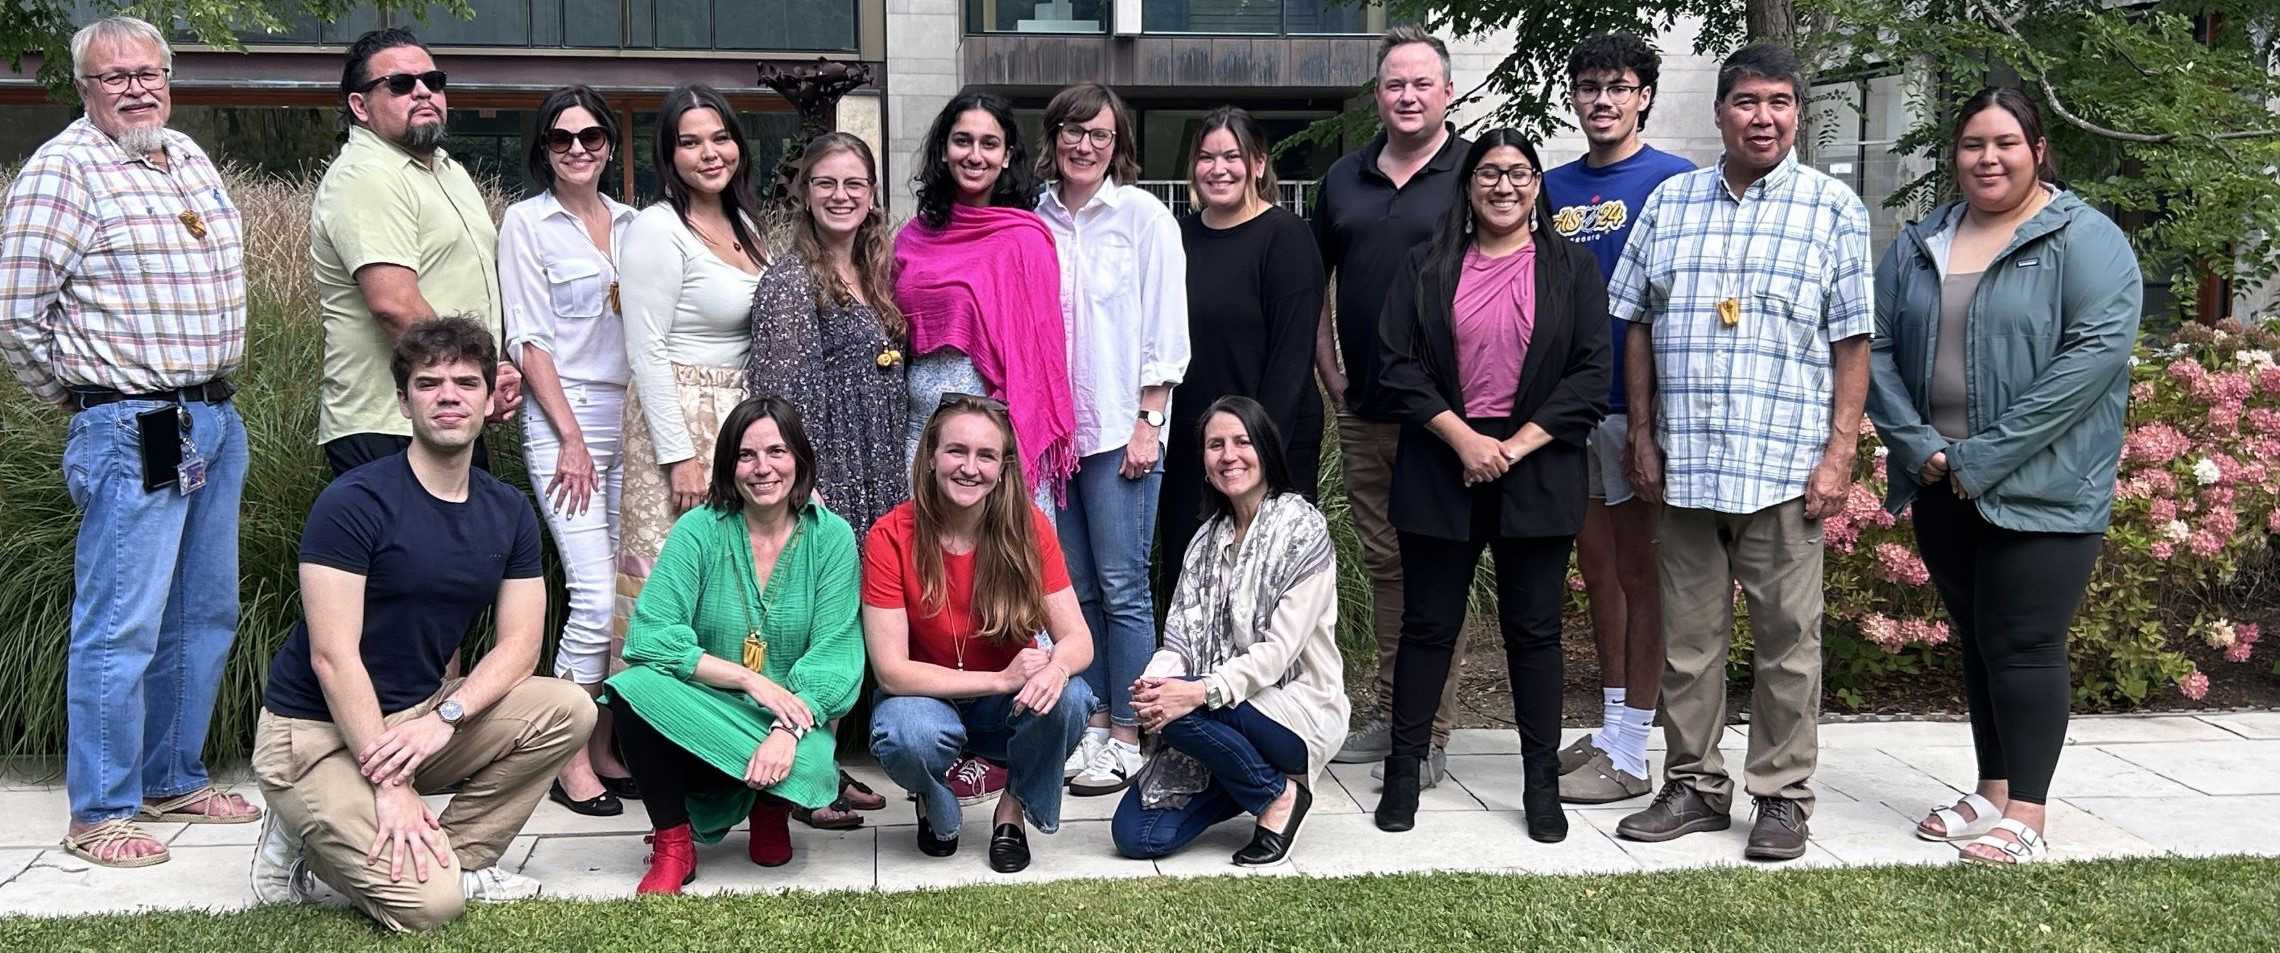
column 422, row 138
column 142, row 140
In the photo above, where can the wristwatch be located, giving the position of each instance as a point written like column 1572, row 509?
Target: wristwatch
column 450, row 711
column 786, row 727
column 1153, row 418
column 1214, row 696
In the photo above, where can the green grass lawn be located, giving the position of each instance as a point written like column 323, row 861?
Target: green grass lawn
column 2158, row 904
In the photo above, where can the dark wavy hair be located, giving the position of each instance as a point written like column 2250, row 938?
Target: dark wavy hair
column 734, row 200
column 535, row 161
column 1445, row 255
column 938, row 189
column 1614, row 53
column 1266, row 441
column 724, row 497
column 2011, row 100
column 446, row 340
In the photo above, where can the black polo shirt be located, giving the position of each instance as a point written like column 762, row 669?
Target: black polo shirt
column 1366, row 227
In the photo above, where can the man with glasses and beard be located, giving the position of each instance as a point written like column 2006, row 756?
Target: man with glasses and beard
column 122, row 303
column 399, row 234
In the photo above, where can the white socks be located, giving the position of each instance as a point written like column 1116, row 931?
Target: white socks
column 1610, row 718
column 1629, row 750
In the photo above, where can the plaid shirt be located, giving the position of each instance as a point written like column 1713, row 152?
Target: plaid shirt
column 105, row 280
column 1743, row 412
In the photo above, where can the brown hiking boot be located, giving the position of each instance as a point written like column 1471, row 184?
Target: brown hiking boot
column 1678, row 811
column 1780, row 831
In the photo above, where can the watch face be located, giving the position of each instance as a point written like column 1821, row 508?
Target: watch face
column 449, row 711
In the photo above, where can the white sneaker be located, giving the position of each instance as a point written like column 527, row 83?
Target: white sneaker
column 1087, row 749
column 495, row 885
column 1109, row 770
column 281, row 871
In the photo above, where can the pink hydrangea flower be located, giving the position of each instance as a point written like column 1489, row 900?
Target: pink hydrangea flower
column 2186, row 371
column 2268, row 380
column 2264, row 420
column 1901, row 565
column 1920, row 632
column 2206, row 544
column 1881, row 630
column 2141, row 391
column 2194, row 686
column 2162, row 511
column 2272, row 522
column 2239, row 652
column 2155, row 443
column 1575, row 583
column 2163, row 549
column 1840, row 533
column 2224, row 416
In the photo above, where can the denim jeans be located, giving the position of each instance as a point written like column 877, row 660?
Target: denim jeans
column 155, row 608
column 916, row 738
column 1106, row 530
column 587, row 541
column 1251, row 757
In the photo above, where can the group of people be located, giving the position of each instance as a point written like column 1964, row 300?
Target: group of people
column 923, row 471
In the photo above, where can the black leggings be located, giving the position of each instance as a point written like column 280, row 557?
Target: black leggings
column 1531, row 589
column 2012, row 597
column 666, row 772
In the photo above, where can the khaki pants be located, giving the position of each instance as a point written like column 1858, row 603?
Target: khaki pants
column 1367, row 447
column 1775, row 554
column 507, row 756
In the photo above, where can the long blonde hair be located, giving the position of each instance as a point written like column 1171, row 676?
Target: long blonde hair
column 874, row 259
column 1009, row 576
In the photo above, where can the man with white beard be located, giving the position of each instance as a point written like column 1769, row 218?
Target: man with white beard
column 122, row 302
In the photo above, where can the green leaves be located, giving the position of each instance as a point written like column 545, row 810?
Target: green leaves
column 44, row 27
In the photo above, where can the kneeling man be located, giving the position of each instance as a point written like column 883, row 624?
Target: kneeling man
column 399, row 557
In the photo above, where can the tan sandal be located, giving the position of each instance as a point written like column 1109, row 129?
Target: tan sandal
column 93, row 844
column 172, row 810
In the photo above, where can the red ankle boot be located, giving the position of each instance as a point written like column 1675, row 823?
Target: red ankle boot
column 771, row 833
column 672, row 861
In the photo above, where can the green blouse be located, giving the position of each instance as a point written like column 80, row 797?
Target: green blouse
column 701, row 600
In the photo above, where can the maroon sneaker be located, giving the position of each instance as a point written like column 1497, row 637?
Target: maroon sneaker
column 974, row 779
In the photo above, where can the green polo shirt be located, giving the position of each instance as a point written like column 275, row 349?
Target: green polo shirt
column 380, row 205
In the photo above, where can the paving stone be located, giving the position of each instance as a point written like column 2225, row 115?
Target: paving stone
column 1445, row 796
column 14, row 860
column 2075, row 834
column 2082, row 772
column 608, row 866
column 2248, row 724
column 2138, row 729
column 1869, row 833
column 1080, row 849
column 1451, row 840
column 198, row 878
column 2218, row 767
column 1211, row 855
column 38, row 818
column 1704, row 849
column 1867, row 774
column 2194, row 826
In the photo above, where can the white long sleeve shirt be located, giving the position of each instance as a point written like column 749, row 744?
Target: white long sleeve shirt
column 683, row 305
column 1123, row 304
column 556, row 285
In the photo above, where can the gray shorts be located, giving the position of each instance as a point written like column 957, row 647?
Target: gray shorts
column 1608, row 483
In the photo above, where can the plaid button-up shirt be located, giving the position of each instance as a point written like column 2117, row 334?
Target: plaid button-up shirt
column 105, row 277
column 1743, row 410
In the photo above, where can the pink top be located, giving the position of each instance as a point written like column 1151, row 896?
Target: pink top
column 1495, row 316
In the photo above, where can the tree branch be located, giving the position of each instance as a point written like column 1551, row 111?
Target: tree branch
column 2050, row 94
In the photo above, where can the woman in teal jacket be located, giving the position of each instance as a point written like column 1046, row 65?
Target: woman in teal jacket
column 2004, row 323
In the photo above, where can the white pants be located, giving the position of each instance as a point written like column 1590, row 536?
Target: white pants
column 588, row 540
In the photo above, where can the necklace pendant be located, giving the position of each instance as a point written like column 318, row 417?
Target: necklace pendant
column 1729, row 312
column 755, row 651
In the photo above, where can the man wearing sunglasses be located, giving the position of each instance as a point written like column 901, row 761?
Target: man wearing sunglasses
column 399, row 234
column 122, row 303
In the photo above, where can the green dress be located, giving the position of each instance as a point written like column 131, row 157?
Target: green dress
column 700, row 600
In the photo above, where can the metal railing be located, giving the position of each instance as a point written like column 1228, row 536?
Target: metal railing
column 1296, row 196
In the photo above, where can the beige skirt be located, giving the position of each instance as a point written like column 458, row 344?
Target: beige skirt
column 645, row 510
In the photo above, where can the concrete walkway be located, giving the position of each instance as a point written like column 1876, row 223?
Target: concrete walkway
column 2128, row 785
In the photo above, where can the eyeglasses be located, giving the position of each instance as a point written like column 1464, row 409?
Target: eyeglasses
column 851, row 186
column 1617, row 93
column 593, row 138
column 1071, row 134
column 147, row 79
column 401, row 83
column 1488, row 175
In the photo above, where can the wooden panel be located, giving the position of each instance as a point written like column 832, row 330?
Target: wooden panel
column 1039, row 61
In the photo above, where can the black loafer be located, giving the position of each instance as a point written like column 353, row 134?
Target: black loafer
column 1269, row 847
column 1009, row 849
column 604, row 804
column 623, row 787
column 933, row 846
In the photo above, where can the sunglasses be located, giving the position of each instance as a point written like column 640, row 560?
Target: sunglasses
column 954, row 398
column 401, row 83
column 593, row 138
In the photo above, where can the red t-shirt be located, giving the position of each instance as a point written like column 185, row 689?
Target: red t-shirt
column 890, row 581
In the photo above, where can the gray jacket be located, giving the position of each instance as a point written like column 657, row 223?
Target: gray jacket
column 2046, row 369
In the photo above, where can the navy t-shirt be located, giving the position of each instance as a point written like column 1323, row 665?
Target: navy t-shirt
column 429, row 567
column 1596, row 208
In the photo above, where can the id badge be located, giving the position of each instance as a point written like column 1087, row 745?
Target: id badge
column 190, row 475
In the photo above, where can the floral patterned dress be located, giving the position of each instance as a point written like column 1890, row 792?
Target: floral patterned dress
column 839, row 366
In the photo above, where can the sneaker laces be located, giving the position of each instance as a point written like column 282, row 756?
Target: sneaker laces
column 1104, row 762
column 971, row 772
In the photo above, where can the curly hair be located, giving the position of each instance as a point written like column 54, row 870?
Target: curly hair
column 1614, row 53
column 937, row 187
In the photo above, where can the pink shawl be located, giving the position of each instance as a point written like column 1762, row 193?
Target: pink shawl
column 988, row 285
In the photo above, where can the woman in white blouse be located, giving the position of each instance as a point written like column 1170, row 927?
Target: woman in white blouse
column 690, row 263
column 1124, row 304
column 559, row 276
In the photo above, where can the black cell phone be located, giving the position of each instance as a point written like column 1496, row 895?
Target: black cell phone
column 160, row 431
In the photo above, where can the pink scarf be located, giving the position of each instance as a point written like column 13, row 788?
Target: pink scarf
column 988, row 285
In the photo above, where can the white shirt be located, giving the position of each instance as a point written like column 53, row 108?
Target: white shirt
column 1123, row 304
column 683, row 305
column 557, row 289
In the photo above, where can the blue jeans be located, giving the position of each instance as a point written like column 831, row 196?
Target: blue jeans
column 1106, row 531
column 155, row 608
column 1252, row 758
column 916, row 738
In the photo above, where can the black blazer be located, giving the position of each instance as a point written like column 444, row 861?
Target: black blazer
column 1563, row 389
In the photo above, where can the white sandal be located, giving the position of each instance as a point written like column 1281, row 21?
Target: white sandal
column 1984, row 814
column 2027, row 848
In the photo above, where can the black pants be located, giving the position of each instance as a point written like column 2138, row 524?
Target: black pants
column 2011, row 596
column 357, row 449
column 1531, row 588
column 667, row 772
